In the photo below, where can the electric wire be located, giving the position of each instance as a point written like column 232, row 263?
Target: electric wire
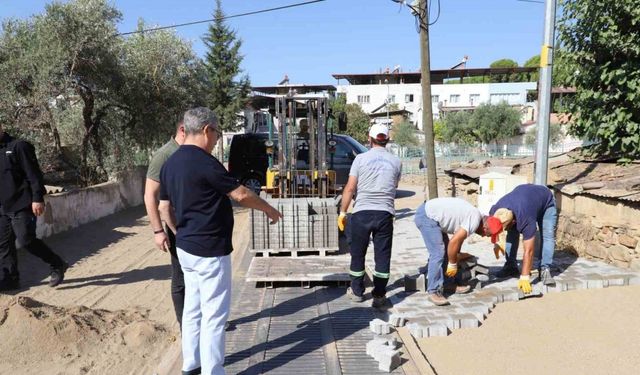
column 223, row 18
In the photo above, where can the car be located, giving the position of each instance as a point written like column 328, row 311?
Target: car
column 248, row 159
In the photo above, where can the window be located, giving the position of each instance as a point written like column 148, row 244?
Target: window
column 510, row 98
column 408, row 98
column 435, row 99
column 454, row 98
column 392, row 98
column 474, row 99
column 363, row 99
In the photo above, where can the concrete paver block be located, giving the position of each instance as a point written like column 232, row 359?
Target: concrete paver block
column 414, row 283
column 615, row 280
column 465, row 321
column 388, row 360
column 436, row 330
column 380, row 327
column 397, row 320
column 572, row 284
column 634, row 280
column 510, row 294
column 594, row 281
column 417, row 330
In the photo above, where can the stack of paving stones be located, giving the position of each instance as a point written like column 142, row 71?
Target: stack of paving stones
column 408, row 284
column 384, row 348
column 307, row 223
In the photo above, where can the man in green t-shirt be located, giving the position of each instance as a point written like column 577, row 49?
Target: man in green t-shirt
column 164, row 238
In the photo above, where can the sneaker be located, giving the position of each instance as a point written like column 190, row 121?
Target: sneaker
column 457, row 289
column 57, row 274
column 545, row 276
column 438, row 299
column 380, row 302
column 354, row 297
column 508, row 271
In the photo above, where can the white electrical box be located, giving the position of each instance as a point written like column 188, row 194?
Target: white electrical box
column 494, row 185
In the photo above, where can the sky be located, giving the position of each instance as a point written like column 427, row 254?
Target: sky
column 309, row 43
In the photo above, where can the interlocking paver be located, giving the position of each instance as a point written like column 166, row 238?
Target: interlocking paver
column 409, row 257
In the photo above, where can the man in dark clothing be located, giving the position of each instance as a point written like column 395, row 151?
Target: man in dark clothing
column 21, row 200
column 194, row 200
column 165, row 238
column 525, row 210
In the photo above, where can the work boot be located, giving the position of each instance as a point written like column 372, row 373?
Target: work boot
column 196, row 371
column 380, row 302
column 438, row 299
column 545, row 276
column 354, row 297
column 457, row 289
column 57, row 274
column 508, row 271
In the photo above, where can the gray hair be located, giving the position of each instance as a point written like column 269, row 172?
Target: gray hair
column 196, row 119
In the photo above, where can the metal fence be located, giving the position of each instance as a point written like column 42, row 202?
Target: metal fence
column 447, row 154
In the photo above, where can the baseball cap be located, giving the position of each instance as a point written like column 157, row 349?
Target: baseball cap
column 499, row 222
column 379, row 132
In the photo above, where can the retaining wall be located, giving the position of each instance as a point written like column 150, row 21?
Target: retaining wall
column 71, row 209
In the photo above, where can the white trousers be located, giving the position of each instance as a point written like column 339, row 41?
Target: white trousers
column 206, row 309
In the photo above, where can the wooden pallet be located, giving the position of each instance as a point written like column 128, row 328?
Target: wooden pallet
column 269, row 270
column 294, row 253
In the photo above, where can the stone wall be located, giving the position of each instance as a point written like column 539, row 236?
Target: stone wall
column 600, row 228
column 71, row 209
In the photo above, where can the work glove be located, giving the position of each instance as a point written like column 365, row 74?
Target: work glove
column 497, row 250
column 452, row 269
column 342, row 221
column 524, row 284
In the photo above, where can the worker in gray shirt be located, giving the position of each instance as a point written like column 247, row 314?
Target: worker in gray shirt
column 374, row 176
column 436, row 219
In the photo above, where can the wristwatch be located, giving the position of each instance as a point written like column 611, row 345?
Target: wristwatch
column 158, row 231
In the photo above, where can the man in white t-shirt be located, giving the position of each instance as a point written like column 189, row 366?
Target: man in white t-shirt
column 436, row 219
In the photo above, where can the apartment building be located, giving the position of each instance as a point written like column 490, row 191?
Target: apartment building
column 373, row 91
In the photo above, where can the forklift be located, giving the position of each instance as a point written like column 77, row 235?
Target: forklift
column 301, row 184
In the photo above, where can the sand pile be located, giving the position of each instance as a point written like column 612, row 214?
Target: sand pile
column 40, row 338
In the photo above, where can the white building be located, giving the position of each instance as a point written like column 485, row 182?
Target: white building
column 372, row 90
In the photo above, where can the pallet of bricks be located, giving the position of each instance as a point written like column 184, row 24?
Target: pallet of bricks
column 308, row 227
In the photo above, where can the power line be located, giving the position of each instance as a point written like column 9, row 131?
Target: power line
column 223, row 18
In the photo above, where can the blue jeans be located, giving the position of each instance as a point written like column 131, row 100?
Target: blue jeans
column 436, row 242
column 545, row 241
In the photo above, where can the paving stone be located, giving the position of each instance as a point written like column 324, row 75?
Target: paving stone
column 572, row 284
column 594, row 281
column 388, row 360
column 467, row 320
column 379, row 327
column 634, row 280
column 616, row 280
column 417, row 330
column 447, row 321
column 480, row 269
column 397, row 320
column 510, row 294
column 414, row 283
column 436, row 330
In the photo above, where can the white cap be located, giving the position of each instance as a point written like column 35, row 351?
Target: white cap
column 377, row 130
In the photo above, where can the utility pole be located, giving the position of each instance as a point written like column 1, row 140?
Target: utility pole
column 544, row 94
column 427, row 111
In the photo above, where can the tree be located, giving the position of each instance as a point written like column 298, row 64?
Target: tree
column 495, row 122
column 93, row 103
column 357, row 120
column 556, row 135
column 503, row 63
column 405, row 135
column 457, row 128
column 533, row 62
column 601, row 44
column 229, row 91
